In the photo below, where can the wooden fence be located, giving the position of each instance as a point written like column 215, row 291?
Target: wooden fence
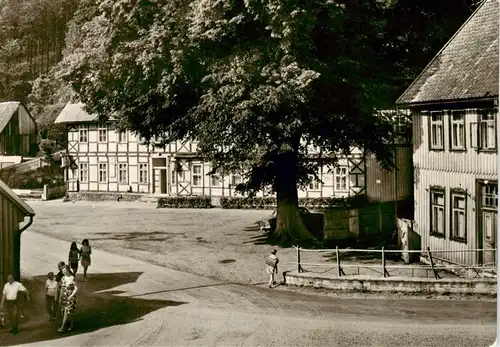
column 53, row 192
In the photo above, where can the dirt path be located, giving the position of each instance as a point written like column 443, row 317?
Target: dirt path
column 128, row 302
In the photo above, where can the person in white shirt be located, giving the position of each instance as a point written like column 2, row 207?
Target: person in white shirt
column 50, row 294
column 10, row 292
column 272, row 267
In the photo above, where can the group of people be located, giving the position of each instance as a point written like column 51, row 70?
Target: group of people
column 60, row 291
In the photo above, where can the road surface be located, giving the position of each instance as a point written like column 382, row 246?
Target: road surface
column 127, row 302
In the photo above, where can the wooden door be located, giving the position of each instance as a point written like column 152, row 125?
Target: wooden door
column 489, row 231
column 487, row 223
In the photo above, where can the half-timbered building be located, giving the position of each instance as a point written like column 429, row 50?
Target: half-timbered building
column 454, row 107
column 101, row 159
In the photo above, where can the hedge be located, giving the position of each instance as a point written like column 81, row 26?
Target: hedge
column 270, row 202
column 185, row 202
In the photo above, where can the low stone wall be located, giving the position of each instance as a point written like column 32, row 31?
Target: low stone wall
column 484, row 286
column 103, row 196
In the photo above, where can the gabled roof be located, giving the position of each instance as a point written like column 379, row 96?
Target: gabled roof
column 7, row 110
column 74, row 113
column 466, row 67
column 6, row 191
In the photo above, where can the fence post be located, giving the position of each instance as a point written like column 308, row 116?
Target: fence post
column 339, row 269
column 436, row 275
column 45, row 193
column 384, row 270
column 299, row 268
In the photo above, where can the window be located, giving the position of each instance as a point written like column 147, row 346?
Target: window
column 487, row 131
column 490, row 196
column 143, row 173
column 122, row 136
column 103, row 173
column 103, row 135
column 197, row 181
column 235, row 180
column 181, row 176
column 457, row 130
column 84, row 172
column 314, row 183
column 215, row 180
column 458, row 216
column 436, row 130
column 437, row 213
column 341, row 179
column 122, row 173
column 83, row 133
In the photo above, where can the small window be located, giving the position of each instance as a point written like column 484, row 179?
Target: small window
column 341, row 179
column 122, row 173
column 437, row 213
column 314, row 183
column 489, row 196
column 197, row 179
column 122, row 136
column 103, row 134
column 83, row 133
column 215, row 180
column 458, row 216
column 103, row 173
column 143, row 173
column 457, row 130
column 84, row 172
column 436, row 130
column 487, row 131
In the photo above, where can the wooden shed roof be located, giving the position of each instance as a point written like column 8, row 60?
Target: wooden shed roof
column 7, row 110
column 75, row 113
column 16, row 200
column 466, row 67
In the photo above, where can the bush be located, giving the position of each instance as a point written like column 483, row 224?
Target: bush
column 35, row 179
column 270, row 202
column 185, row 202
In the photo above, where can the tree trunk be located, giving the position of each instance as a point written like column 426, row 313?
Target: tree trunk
column 289, row 225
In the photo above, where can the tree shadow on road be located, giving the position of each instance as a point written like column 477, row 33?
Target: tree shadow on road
column 95, row 309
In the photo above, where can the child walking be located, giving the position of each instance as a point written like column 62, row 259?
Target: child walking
column 73, row 258
column 50, row 295
column 272, row 267
column 85, row 253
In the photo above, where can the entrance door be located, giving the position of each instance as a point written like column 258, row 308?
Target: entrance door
column 487, row 226
column 160, row 176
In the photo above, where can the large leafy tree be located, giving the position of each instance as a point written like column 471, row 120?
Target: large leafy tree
column 257, row 83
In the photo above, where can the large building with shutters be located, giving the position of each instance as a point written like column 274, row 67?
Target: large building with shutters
column 454, row 107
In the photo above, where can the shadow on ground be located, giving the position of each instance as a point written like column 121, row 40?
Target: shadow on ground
column 94, row 310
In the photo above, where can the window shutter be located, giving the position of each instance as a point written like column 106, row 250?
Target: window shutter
column 474, row 135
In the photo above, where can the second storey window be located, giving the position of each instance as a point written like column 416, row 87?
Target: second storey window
column 83, row 133
column 122, row 173
column 341, row 179
column 122, row 136
column 487, row 131
column 103, row 172
column 197, row 175
column 103, row 134
column 437, row 212
column 457, row 130
column 436, row 130
column 84, row 172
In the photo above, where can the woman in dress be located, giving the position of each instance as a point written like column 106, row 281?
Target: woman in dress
column 85, row 253
column 74, row 257
column 67, row 298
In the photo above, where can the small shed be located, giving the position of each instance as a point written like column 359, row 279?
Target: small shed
column 13, row 211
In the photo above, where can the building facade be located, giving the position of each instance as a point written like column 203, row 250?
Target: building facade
column 13, row 211
column 101, row 159
column 454, row 105
column 18, row 134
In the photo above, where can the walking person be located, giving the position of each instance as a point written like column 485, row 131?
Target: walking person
column 272, row 267
column 85, row 253
column 68, row 298
column 74, row 257
column 59, row 276
column 10, row 299
column 50, row 295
